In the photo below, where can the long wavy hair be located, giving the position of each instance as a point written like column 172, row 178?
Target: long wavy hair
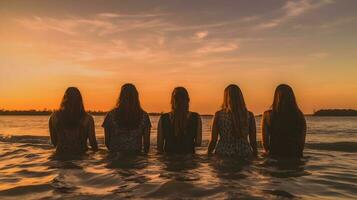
column 128, row 111
column 233, row 103
column 286, row 113
column 71, row 110
column 180, row 101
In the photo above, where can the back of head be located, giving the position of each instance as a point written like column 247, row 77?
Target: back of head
column 128, row 111
column 71, row 111
column 286, row 114
column 180, row 108
column 233, row 103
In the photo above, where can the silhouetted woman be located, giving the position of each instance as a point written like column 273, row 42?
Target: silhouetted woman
column 233, row 124
column 284, row 126
column 71, row 127
column 180, row 130
column 127, row 126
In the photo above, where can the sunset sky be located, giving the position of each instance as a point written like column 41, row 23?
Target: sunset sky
column 46, row 46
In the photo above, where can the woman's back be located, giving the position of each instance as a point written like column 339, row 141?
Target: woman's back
column 122, row 139
column 284, row 137
column 229, row 142
column 71, row 140
column 180, row 143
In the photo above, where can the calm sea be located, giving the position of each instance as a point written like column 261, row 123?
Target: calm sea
column 29, row 171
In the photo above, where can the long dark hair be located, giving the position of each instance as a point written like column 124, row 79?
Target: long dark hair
column 233, row 102
column 128, row 111
column 179, row 108
column 285, row 110
column 71, row 111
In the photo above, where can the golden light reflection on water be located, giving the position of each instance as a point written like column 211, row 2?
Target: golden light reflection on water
column 28, row 167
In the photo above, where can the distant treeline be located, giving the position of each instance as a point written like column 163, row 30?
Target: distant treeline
column 49, row 112
column 25, row 112
column 336, row 112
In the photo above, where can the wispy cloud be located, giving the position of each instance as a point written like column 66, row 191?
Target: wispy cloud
column 70, row 26
column 201, row 34
column 108, row 15
column 102, row 24
column 339, row 22
column 293, row 9
column 320, row 55
column 48, row 24
column 217, row 47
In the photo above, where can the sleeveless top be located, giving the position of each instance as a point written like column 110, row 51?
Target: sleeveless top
column 123, row 139
column 229, row 144
column 180, row 144
column 70, row 141
column 285, row 141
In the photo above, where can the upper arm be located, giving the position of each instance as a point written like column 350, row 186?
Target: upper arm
column 106, row 125
column 199, row 131
column 252, row 125
column 252, row 128
column 265, row 130
column 53, row 133
column 214, row 135
column 146, row 133
column 147, row 128
column 91, row 134
column 252, row 133
column 304, row 130
column 160, row 136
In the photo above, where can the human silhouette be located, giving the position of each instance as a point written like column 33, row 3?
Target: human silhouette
column 233, row 124
column 127, row 126
column 71, row 127
column 180, row 130
column 284, row 125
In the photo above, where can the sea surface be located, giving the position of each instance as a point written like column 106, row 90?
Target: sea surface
column 28, row 169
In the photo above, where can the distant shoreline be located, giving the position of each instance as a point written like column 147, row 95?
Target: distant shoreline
column 335, row 113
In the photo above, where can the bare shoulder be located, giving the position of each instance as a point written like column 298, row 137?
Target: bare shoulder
column 251, row 114
column 302, row 116
column 145, row 114
column 267, row 113
column 88, row 118
column 267, row 116
column 218, row 113
column 195, row 114
column 53, row 117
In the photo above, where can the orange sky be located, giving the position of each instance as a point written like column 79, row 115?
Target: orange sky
column 157, row 45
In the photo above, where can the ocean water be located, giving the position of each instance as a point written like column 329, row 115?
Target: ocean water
column 28, row 169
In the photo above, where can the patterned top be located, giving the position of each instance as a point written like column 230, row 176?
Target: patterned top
column 72, row 141
column 119, row 139
column 228, row 143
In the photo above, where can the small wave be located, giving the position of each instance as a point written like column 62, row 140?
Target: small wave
column 25, row 139
column 25, row 190
column 350, row 147
column 280, row 193
column 173, row 189
column 13, row 152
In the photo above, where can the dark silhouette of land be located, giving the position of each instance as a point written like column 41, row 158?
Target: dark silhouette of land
column 25, row 112
column 335, row 112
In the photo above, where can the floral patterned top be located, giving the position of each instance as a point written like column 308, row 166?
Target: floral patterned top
column 228, row 143
column 119, row 139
